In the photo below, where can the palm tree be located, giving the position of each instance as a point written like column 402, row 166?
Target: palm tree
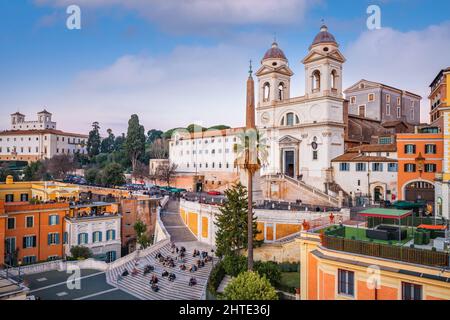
column 251, row 154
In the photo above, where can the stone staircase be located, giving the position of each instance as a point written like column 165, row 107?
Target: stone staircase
column 297, row 189
column 139, row 285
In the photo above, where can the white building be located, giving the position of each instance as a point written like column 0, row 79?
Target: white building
column 368, row 170
column 208, row 151
column 92, row 227
column 37, row 140
column 304, row 133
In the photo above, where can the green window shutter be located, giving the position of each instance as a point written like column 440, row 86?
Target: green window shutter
column 49, row 239
column 57, row 238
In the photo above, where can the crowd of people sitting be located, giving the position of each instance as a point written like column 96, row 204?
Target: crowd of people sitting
column 170, row 262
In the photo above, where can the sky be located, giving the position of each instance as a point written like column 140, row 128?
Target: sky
column 176, row 62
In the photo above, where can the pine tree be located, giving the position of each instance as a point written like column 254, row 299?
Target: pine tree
column 231, row 234
column 135, row 142
column 94, row 141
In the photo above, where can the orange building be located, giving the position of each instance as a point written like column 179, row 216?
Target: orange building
column 420, row 157
column 2, row 232
column 32, row 232
column 332, row 271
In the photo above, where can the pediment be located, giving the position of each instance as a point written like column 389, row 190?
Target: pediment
column 317, row 55
column 284, row 70
column 289, row 140
column 367, row 85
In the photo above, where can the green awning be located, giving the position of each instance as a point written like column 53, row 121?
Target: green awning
column 385, row 213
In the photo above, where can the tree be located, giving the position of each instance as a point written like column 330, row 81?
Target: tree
column 141, row 234
column 166, row 172
column 112, row 175
column 154, row 135
column 250, row 286
column 5, row 171
column 107, row 145
column 35, row 171
column 80, row 252
column 135, row 142
column 159, row 149
column 231, row 234
column 141, row 171
column 91, row 175
column 94, row 142
column 251, row 154
column 60, row 165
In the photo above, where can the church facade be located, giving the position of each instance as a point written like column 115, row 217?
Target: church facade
column 303, row 133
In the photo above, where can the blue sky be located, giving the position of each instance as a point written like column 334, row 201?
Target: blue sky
column 175, row 62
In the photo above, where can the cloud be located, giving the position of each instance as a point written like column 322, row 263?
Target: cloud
column 203, row 15
column 407, row 60
column 202, row 84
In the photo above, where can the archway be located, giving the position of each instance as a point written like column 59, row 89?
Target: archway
column 419, row 190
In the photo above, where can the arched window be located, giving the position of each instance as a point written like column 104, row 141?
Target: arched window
column 290, row 119
column 316, row 81
column 266, row 91
column 333, row 79
column 281, row 91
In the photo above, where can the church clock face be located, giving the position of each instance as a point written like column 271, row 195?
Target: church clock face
column 265, row 118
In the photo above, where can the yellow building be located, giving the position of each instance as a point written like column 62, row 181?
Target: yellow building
column 12, row 191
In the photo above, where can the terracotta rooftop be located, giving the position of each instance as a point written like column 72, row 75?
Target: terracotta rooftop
column 44, row 131
column 323, row 36
column 374, row 148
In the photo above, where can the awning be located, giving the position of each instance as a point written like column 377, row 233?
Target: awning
column 431, row 227
column 385, row 213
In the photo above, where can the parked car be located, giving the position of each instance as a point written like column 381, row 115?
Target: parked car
column 214, row 193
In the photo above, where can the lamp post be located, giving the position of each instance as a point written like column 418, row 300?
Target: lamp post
column 19, row 263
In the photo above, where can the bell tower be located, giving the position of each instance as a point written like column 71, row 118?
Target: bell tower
column 323, row 66
column 274, row 77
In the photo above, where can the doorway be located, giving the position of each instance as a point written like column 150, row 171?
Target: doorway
column 289, row 163
column 378, row 194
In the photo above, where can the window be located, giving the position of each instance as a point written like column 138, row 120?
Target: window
column 24, row 197
column 9, row 198
column 266, row 92
column 346, row 283
column 53, row 238
column 82, row 238
column 360, row 167
column 65, row 238
column 290, row 119
column 388, row 98
column 392, row 167
column 410, row 149
column 97, row 236
column 399, row 112
column 344, row 166
column 410, row 167
column 362, row 111
column 399, row 101
column 388, row 109
column 377, row 167
column 316, row 81
column 10, row 245
column 371, row 97
column 333, row 79
column 315, row 155
column 29, row 242
column 281, row 91
column 110, row 235
column 353, row 100
column 29, row 222
column 430, row 167
column 430, row 149
column 29, row 259
column 411, row 291
column 53, row 220
column 412, row 113
column 385, row 140
column 11, row 223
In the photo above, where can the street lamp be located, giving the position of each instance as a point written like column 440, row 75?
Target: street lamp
column 19, row 263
